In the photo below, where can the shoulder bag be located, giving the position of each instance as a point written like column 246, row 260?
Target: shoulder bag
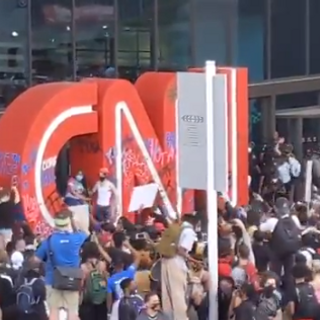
column 64, row 278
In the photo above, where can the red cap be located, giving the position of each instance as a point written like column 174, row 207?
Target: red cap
column 159, row 226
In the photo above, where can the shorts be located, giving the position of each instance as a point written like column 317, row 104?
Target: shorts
column 71, row 202
column 68, row 300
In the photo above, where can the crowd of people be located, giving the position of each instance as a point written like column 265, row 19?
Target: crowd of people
column 268, row 256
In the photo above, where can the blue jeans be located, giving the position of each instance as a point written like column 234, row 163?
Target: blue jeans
column 103, row 213
column 71, row 202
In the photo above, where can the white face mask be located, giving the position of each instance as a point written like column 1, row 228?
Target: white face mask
column 79, row 177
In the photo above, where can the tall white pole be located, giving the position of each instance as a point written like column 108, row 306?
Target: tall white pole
column 210, row 71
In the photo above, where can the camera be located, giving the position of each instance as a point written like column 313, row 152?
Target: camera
column 140, row 236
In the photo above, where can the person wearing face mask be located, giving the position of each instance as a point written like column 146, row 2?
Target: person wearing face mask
column 270, row 298
column 75, row 191
column 152, row 310
column 106, row 196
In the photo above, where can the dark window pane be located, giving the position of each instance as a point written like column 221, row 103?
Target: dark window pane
column 174, row 34
column 251, row 37
column 13, row 50
column 288, row 38
column 314, row 36
column 135, row 32
column 51, row 40
column 255, row 121
column 213, row 20
column 94, row 20
column 297, row 100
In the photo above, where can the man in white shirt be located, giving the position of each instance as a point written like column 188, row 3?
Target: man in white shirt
column 174, row 272
column 106, row 193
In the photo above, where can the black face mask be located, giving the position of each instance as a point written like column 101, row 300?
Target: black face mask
column 102, row 178
column 267, row 291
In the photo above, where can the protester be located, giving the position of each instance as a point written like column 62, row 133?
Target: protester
column 130, row 304
column 63, row 275
column 106, row 192
column 114, row 289
column 152, row 308
column 285, row 237
column 174, row 269
column 93, row 305
column 76, row 191
column 9, row 203
column 8, row 278
column 17, row 257
column 268, row 261
column 31, row 294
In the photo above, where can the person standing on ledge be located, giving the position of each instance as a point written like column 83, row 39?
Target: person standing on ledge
column 106, row 195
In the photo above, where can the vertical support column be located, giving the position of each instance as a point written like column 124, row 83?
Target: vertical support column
column 296, row 132
column 268, row 117
column 73, row 41
column 154, row 37
column 317, row 133
column 28, row 68
column 116, row 35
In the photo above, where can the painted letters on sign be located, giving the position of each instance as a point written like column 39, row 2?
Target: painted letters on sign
column 48, row 176
column 108, row 123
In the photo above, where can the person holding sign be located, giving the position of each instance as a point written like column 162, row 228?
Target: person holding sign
column 106, row 192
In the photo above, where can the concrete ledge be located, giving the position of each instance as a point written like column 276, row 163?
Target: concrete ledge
column 305, row 112
column 284, row 86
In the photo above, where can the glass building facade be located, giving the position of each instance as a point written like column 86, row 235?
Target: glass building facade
column 53, row 40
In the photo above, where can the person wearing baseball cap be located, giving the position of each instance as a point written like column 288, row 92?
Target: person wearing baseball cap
column 62, row 249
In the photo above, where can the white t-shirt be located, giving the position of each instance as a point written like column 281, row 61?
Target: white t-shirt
column 104, row 193
column 270, row 224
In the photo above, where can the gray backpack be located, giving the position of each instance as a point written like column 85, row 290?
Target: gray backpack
column 268, row 307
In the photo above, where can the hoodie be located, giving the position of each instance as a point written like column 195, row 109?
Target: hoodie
column 160, row 316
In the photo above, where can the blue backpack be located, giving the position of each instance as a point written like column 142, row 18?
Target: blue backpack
column 25, row 297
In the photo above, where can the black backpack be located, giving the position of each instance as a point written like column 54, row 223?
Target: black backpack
column 286, row 237
column 307, row 303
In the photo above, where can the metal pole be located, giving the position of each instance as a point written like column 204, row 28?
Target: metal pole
column 268, row 39
column 307, row 37
column 210, row 71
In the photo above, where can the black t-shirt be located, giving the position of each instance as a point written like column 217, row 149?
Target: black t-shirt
column 7, row 214
column 253, row 163
column 244, row 311
column 262, row 256
column 115, row 253
column 127, row 310
column 304, row 299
